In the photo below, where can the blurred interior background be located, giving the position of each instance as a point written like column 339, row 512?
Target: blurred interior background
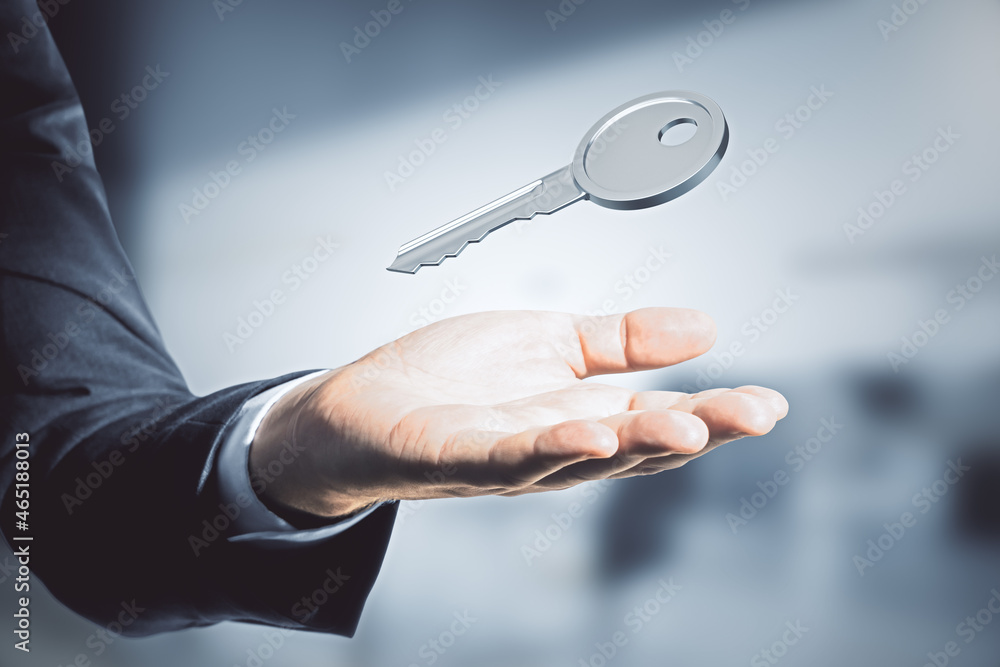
column 854, row 94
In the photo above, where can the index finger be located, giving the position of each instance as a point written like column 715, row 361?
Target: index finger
column 640, row 340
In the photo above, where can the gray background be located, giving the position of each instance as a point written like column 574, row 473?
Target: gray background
column 782, row 230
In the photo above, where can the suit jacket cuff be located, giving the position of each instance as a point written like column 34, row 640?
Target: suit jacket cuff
column 254, row 521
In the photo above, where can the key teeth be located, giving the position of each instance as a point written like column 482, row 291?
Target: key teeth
column 412, row 270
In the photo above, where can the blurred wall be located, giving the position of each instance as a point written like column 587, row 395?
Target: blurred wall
column 870, row 212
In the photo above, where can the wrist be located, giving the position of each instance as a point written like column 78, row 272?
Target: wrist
column 288, row 460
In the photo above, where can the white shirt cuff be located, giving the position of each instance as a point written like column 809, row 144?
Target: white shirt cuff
column 254, row 520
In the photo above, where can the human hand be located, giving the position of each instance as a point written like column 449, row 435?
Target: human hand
column 495, row 404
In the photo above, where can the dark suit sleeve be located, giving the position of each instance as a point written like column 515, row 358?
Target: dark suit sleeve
column 124, row 506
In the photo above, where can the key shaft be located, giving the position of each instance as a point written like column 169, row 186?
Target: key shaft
column 541, row 197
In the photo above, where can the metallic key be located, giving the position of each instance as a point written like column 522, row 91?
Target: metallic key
column 622, row 163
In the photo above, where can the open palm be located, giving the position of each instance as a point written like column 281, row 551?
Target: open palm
column 496, row 403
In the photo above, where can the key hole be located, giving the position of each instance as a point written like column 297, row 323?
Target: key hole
column 678, row 131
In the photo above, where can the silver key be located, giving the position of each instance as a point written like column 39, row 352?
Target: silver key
column 622, row 163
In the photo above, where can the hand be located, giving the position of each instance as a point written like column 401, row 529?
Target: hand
column 495, row 403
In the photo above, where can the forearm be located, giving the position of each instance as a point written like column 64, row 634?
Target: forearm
column 124, row 502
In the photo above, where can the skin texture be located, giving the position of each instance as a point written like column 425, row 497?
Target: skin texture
column 496, row 404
